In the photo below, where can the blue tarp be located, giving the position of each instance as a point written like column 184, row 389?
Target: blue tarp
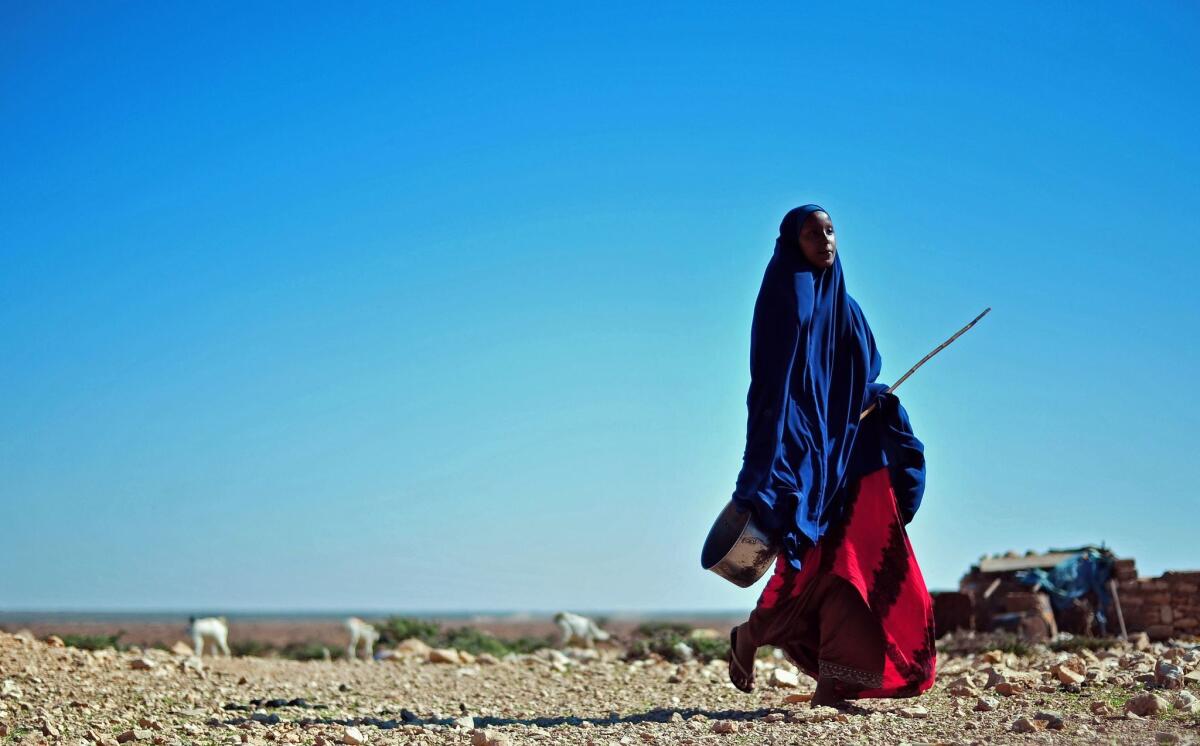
column 1086, row 572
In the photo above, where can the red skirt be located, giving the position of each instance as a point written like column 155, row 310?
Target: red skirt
column 858, row 611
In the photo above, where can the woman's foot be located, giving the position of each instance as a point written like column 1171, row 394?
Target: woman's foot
column 827, row 694
column 741, row 659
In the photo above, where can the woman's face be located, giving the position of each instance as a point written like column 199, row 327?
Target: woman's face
column 817, row 241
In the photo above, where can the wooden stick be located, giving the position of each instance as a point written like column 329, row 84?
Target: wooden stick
column 1112, row 586
column 925, row 359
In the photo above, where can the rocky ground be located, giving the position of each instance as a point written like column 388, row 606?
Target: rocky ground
column 1135, row 693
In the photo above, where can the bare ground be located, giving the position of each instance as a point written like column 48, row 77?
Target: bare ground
column 62, row 695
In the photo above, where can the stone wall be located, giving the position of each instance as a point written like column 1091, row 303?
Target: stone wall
column 1162, row 607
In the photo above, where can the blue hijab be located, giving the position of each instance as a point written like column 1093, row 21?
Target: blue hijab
column 813, row 365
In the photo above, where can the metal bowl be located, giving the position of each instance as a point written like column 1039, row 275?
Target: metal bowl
column 737, row 549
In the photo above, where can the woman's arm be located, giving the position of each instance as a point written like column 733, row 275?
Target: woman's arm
column 773, row 340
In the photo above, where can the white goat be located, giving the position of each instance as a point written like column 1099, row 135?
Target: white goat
column 360, row 631
column 213, row 628
column 576, row 627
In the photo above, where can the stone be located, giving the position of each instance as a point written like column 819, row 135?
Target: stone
column 1166, row 738
column 55, row 641
column 1146, row 705
column 986, row 704
column 487, row 659
column 465, row 722
column 1159, row 631
column 1168, row 675
column 781, row 678
column 49, row 729
column 774, row 717
column 724, row 726
column 1009, row 689
column 3, row 730
column 1067, row 675
column 1052, row 719
column 127, row 736
column 796, row 698
column 182, row 648
column 916, row 713
column 141, row 664
column 1140, row 641
column 353, row 736
column 1185, row 701
column 413, row 646
column 466, row 657
column 1101, row 709
column 9, row 690
column 444, row 655
column 1027, row 725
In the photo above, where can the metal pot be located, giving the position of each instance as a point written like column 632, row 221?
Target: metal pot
column 737, row 549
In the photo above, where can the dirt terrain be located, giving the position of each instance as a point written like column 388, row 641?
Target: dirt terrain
column 52, row 694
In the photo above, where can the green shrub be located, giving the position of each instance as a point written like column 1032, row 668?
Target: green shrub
column 93, row 642
column 708, row 649
column 473, row 641
column 1078, row 642
column 309, row 651
column 528, row 644
column 256, row 648
column 656, row 629
column 397, row 629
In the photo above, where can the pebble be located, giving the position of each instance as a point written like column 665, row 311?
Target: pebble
column 141, row 664
column 1052, row 719
column 1146, row 704
column 781, row 678
column 986, row 704
column 918, row 712
column 465, row 721
column 444, row 655
column 1168, row 675
column 724, row 726
column 1026, row 725
column 353, row 736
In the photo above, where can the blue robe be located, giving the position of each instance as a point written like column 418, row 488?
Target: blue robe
column 813, row 365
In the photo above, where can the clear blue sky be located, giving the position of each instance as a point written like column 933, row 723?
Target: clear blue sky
column 327, row 306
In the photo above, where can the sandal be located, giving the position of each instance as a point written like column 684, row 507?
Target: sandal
column 735, row 666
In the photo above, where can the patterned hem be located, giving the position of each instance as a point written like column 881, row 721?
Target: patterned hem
column 849, row 675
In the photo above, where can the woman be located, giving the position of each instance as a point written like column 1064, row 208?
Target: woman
column 847, row 601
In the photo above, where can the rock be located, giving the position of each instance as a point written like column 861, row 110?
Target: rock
column 683, row 651
column 1101, row 709
column 795, row 698
column 1168, row 675
column 1145, row 705
column 1185, row 701
column 1166, row 738
column 1160, row 631
column 444, row 655
column 9, row 690
column 1026, row 725
column 465, row 722
column 487, row 659
column 993, row 656
column 1009, row 689
column 774, row 717
column 3, row 730
column 55, row 641
column 49, row 729
column 483, row 737
column 916, row 713
column 353, row 736
column 814, row 715
column 781, row 678
column 1192, row 678
column 1067, row 674
column 413, row 646
column 724, row 726
column 1052, row 719
column 986, row 704
column 1140, row 641
column 127, row 736
column 182, row 648
column 466, row 657
column 141, row 664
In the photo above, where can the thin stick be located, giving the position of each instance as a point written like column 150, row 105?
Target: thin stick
column 925, row 359
column 1112, row 586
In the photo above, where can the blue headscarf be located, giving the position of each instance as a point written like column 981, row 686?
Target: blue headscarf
column 813, row 365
